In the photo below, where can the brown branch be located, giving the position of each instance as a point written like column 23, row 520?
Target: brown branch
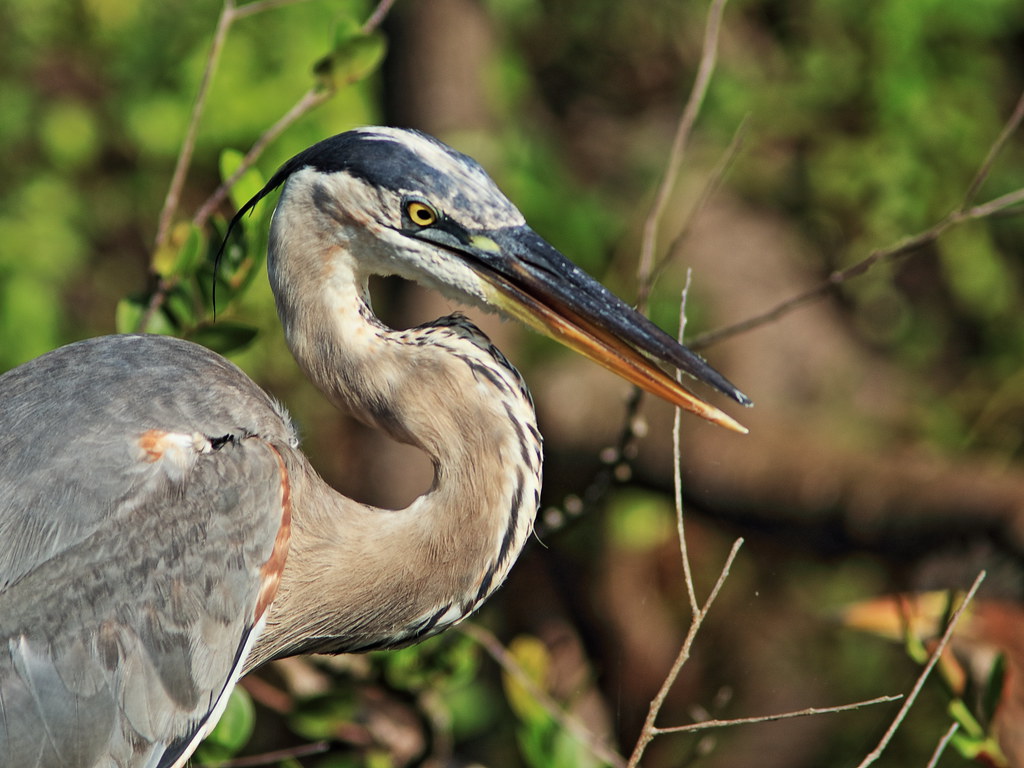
column 224, row 22
column 650, row 730
column 309, row 101
column 711, row 186
column 230, row 13
column 986, row 166
column 904, row 247
column 277, row 756
column 578, row 730
column 943, row 743
column 998, row 205
column 617, row 458
column 966, row 212
column 261, row 6
column 677, row 474
column 919, row 684
column 377, row 17
column 705, row 69
column 809, row 711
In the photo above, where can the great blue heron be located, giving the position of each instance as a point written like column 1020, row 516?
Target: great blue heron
column 161, row 534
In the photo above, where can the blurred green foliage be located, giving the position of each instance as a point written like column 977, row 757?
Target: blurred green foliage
column 96, row 98
column 232, row 732
column 873, row 121
column 543, row 741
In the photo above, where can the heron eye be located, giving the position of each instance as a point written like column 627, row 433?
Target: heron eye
column 421, row 214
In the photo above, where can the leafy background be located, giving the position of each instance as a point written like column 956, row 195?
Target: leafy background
column 886, row 443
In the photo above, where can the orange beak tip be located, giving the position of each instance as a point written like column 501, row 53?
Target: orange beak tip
column 722, row 419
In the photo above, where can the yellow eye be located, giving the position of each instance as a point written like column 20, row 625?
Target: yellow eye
column 421, row 214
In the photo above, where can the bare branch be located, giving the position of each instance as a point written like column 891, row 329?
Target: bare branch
column 711, row 185
column 378, row 15
column 313, row 98
column 633, row 426
column 943, row 743
column 251, row 9
column 998, row 205
column 227, row 17
column 705, row 68
column 986, row 166
column 809, row 711
column 278, row 756
column 677, row 477
column 309, row 101
column 919, row 684
column 650, row 730
column 966, row 212
column 578, row 730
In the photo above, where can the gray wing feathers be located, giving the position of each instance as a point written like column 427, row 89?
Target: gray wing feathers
column 138, row 501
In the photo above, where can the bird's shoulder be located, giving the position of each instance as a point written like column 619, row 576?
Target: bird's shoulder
column 143, row 492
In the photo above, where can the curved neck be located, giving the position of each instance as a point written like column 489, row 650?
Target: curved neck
column 358, row 577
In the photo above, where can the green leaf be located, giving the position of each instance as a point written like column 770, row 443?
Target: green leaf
column 318, row 717
column 969, row 725
column 128, row 315
column 915, row 648
column 356, row 55
column 233, row 729
column 224, row 336
column 130, row 312
column 535, row 743
column 639, row 520
column 534, row 660
column 180, row 306
column 248, row 184
column 993, row 692
column 190, row 252
column 984, row 749
column 180, row 255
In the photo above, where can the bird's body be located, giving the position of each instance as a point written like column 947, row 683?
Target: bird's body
column 161, row 531
column 178, row 479
column 116, row 647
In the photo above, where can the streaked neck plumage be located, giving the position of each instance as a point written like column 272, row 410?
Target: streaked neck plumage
column 358, row 577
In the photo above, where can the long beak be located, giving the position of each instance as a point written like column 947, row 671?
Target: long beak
column 535, row 283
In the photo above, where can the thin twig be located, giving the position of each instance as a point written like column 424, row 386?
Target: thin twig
column 309, row 101
column 632, row 428
column 705, row 68
column 277, row 756
column 964, row 213
column 711, row 186
column 578, row 730
column 998, row 205
column 224, row 21
column 188, row 144
column 377, row 17
column 260, row 6
column 919, row 684
column 986, row 166
column 943, row 743
column 230, row 13
column 704, row 725
column 904, row 247
column 677, row 475
column 650, row 730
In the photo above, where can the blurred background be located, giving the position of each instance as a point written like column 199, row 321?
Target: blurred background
column 886, row 451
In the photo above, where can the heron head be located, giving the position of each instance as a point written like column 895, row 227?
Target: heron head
column 401, row 202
